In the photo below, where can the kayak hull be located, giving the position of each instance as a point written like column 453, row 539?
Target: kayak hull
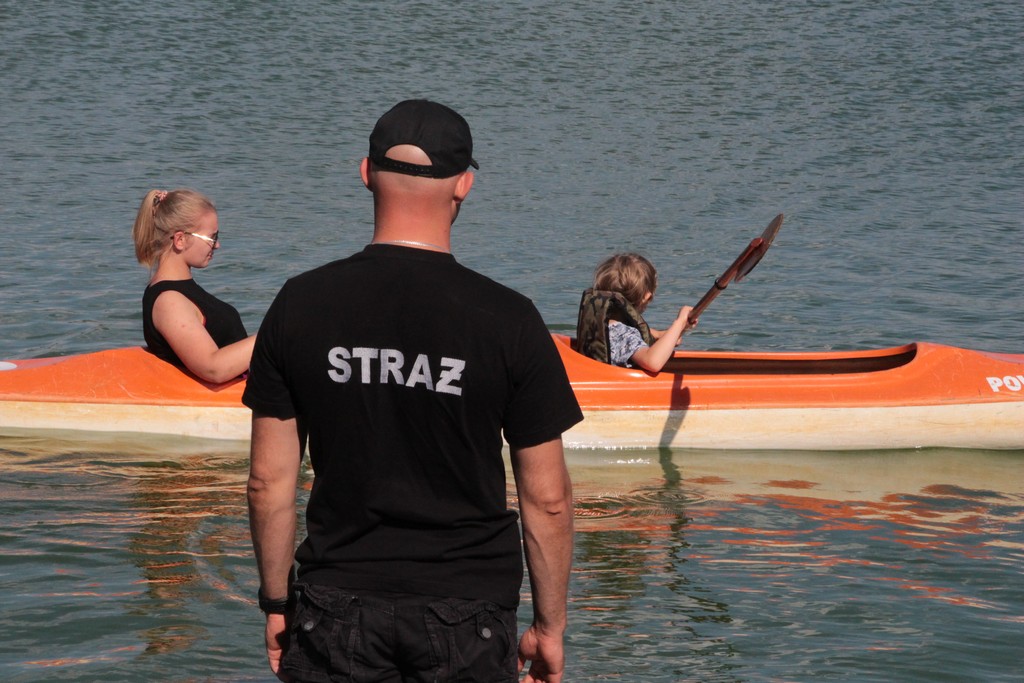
column 204, row 422
column 121, row 390
column 818, row 429
column 916, row 396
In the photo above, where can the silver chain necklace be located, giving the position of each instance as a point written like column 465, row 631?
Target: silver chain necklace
column 414, row 243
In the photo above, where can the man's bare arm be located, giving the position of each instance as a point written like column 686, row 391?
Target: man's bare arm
column 274, row 459
column 273, row 475
column 545, row 506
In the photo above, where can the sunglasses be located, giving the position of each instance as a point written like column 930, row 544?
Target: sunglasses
column 212, row 241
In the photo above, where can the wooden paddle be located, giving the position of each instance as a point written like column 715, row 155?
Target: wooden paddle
column 745, row 263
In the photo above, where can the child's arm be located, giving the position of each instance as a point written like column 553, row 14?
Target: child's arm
column 653, row 358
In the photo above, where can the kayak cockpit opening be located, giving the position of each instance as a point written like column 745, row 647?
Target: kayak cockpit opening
column 784, row 363
column 837, row 365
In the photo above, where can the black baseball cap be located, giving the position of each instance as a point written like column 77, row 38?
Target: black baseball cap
column 436, row 129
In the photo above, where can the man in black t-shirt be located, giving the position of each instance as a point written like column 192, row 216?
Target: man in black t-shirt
column 404, row 369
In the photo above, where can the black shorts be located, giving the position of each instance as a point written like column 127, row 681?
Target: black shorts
column 342, row 635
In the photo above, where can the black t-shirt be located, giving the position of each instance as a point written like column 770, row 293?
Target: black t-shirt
column 221, row 319
column 406, row 368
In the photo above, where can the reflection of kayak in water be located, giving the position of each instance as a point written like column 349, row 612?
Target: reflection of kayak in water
column 612, row 482
column 917, row 395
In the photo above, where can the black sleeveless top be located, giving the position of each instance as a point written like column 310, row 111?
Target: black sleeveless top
column 220, row 319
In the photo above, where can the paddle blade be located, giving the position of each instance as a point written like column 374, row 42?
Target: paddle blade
column 760, row 248
column 743, row 264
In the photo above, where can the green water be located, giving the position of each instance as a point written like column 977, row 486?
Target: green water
column 131, row 562
column 890, row 135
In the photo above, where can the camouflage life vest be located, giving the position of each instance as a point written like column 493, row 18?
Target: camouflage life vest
column 597, row 307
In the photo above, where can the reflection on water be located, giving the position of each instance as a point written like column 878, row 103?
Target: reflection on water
column 188, row 532
column 130, row 561
column 123, row 557
column 732, row 566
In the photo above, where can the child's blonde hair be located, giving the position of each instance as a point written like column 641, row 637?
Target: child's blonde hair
column 162, row 214
column 631, row 275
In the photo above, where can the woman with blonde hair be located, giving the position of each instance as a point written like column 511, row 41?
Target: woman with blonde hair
column 174, row 232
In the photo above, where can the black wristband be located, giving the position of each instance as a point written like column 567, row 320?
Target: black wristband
column 268, row 606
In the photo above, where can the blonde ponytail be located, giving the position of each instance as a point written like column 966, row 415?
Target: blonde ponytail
column 160, row 216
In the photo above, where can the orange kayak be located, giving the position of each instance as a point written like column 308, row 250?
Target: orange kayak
column 913, row 396
column 121, row 390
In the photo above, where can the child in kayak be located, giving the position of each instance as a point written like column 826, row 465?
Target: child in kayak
column 182, row 323
column 611, row 327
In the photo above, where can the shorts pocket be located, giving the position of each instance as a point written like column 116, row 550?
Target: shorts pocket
column 323, row 635
column 472, row 640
